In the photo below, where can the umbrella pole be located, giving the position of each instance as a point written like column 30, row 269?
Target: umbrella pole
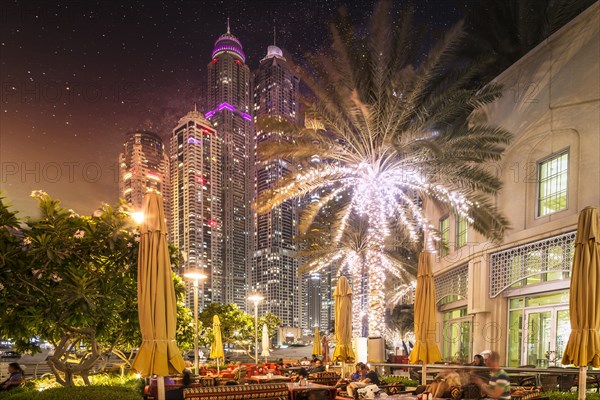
column 217, row 366
column 161, row 388
column 424, row 375
column 581, row 391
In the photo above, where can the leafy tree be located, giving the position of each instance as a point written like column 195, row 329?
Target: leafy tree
column 71, row 280
column 237, row 327
column 185, row 319
column 272, row 321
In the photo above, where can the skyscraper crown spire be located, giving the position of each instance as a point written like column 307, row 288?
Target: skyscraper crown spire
column 275, row 35
column 228, row 43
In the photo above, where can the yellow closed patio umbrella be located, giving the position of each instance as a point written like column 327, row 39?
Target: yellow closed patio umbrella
column 343, row 323
column 216, row 348
column 157, row 307
column 583, row 347
column 426, row 350
column 317, row 343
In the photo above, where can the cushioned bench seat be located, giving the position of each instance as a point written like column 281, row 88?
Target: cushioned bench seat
column 263, row 391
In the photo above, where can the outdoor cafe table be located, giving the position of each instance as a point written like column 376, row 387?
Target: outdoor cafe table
column 267, row 379
column 295, row 388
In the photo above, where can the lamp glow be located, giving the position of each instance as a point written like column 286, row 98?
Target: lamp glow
column 256, row 298
column 138, row 216
column 195, row 275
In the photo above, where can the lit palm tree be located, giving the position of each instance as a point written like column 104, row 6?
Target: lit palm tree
column 348, row 256
column 388, row 136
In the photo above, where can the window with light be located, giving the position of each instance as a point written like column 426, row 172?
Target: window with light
column 552, row 184
column 444, row 235
column 461, row 231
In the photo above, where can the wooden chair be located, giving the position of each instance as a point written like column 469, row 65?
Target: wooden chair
column 566, row 382
column 527, row 380
column 549, row 382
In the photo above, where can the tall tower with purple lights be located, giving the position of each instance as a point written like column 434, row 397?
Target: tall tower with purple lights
column 196, row 202
column 229, row 101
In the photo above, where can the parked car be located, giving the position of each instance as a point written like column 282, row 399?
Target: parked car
column 10, row 354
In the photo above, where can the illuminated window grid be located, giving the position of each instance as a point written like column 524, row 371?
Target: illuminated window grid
column 552, row 184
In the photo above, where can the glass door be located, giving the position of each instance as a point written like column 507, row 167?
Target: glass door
column 546, row 333
column 457, row 340
column 563, row 330
column 538, row 337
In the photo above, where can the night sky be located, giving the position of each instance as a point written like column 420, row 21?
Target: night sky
column 76, row 76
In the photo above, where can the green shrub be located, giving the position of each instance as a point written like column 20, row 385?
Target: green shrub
column 74, row 393
column 394, row 379
column 569, row 395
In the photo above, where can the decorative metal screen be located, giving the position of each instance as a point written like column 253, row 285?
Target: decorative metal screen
column 452, row 283
column 510, row 267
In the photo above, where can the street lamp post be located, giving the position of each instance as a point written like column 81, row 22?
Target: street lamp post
column 195, row 275
column 256, row 298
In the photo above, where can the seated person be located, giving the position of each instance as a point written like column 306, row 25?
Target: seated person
column 236, row 368
column 262, row 371
column 186, row 380
column 499, row 384
column 318, row 367
column 356, row 376
column 443, row 382
column 370, row 378
column 15, row 379
column 478, row 361
column 305, row 361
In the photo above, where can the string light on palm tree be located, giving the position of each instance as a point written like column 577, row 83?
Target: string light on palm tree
column 353, row 256
column 390, row 137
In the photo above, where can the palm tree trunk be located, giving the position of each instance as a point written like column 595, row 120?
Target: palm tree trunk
column 376, row 274
column 357, row 309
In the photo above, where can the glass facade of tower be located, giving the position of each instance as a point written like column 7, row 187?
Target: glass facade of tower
column 317, row 301
column 274, row 263
column 196, row 202
column 143, row 167
column 229, row 100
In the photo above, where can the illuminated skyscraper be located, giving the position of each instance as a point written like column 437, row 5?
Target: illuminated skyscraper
column 317, row 301
column 274, row 264
column 196, row 201
column 143, row 167
column 229, row 100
